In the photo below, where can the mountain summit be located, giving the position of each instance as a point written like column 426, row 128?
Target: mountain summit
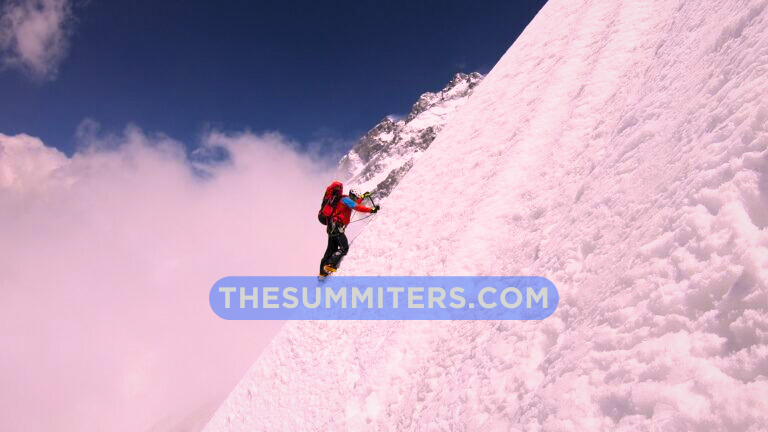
column 385, row 154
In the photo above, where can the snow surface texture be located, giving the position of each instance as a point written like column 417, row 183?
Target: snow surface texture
column 619, row 149
column 384, row 155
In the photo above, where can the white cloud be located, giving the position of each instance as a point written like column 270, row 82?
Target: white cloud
column 26, row 163
column 327, row 144
column 34, row 35
column 106, row 262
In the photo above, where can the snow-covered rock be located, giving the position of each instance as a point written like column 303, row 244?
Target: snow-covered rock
column 619, row 149
column 385, row 154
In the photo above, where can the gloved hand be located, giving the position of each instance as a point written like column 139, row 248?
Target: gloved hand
column 375, row 209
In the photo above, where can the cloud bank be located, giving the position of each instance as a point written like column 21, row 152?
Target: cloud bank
column 106, row 264
column 34, row 35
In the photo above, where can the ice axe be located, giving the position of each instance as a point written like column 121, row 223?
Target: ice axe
column 370, row 197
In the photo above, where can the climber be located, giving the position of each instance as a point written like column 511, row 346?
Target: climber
column 337, row 222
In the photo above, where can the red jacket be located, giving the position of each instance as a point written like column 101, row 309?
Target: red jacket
column 343, row 211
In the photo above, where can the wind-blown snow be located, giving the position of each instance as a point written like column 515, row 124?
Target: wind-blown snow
column 619, row 149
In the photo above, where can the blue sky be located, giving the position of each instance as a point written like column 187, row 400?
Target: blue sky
column 315, row 71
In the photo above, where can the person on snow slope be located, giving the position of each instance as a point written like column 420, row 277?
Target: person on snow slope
column 338, row 246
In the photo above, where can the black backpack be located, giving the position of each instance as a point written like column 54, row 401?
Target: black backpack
column 330, row 200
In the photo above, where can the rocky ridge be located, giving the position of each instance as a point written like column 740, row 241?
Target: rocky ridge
column 386, row 153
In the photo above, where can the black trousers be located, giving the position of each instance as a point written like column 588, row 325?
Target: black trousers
column 338, row 246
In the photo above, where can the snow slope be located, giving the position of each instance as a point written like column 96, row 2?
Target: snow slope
column 619, row 149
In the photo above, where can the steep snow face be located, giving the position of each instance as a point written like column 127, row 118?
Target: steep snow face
column 385, row 154
column 619, row 149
